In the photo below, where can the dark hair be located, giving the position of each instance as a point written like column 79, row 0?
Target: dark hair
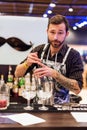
column 58, row 19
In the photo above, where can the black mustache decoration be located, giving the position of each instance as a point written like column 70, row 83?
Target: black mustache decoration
column 16, row 43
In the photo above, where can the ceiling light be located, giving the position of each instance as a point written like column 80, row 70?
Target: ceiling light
column 81, row 24
column 74, row 28
column 31, row 8
column 44, row 15
column 49, row 11
column 52, row 4
column 70, row 9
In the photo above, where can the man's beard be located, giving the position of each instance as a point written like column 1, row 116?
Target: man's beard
column 56, row 43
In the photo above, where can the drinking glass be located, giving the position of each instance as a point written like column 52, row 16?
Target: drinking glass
column 44, row 92
column 29, row 93
column 4, row 96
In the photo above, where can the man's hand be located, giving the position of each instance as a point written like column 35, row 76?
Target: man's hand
column 33, row 58
column 43, row 70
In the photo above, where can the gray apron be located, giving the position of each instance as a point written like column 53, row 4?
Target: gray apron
column 61, row 94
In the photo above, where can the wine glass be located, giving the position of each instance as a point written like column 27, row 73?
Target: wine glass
column 29, row 93
column 44, row 91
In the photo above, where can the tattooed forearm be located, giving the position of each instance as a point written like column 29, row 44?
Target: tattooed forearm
column 70, row 84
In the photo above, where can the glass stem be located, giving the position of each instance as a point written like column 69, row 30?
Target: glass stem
column 43, row 103
column 28, row 102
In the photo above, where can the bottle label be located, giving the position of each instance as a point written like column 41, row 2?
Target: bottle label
column 10, row 78
column 21, row 82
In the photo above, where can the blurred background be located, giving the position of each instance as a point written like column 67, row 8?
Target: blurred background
column 74, row 10
column 23, row 23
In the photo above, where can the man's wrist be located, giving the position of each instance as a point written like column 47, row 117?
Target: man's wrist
column 26, row 65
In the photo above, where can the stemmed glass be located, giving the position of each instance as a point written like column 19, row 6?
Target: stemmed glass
column 44, row 91
column 29, row 93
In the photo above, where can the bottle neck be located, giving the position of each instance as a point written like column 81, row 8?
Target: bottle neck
column 2, row 80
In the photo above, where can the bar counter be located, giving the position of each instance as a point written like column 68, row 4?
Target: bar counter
column 55, row 119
